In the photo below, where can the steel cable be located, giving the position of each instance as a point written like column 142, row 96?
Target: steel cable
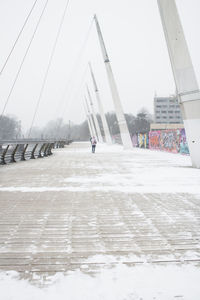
column 18, row 37
column 48, row 67
column 76, row 64
column 24, row 57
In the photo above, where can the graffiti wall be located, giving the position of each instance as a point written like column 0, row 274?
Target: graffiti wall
column 183, row 142
column 135, row 140
column 169, row 141
column 173, row 140
column 140, row 140
column 143, row 140
column 154, row 139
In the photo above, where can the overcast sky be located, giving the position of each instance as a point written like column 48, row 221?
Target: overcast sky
column 134, row 39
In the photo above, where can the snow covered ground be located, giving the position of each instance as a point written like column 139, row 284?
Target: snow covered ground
column 120, row 283
column 111, row 225
column 111, row 169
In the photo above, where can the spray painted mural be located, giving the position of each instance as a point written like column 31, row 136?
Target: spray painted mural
column 143, row 140
column 135, row 140
column 140, row 140
column 154, row 139
column 183, row 142
column 173, row 140
column 169, row 141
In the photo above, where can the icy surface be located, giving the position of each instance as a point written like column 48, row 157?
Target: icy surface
column 120, row 283
column 111, row 225
column 110, row 169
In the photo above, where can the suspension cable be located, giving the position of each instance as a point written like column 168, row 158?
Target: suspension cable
column 79, row 56
column 80, row 53
column 76, row 64
column 48, row 66
column 18, row 37
column 82, row 81
column 24, row 57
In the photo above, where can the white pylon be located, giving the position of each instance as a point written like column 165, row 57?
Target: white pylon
column 90, row 118
column 94, row 116
column 184, row 75
column 103, row 118
column 125, row 136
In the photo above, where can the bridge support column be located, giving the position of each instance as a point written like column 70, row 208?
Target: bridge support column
column 95, row 117
column 103, row 118
column 125, row 136
column 184, row 75
column 90, row 118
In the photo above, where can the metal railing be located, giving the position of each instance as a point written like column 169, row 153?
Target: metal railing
column 24, row 149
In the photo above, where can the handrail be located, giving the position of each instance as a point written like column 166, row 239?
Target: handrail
column 25, row 149
column 25, row 141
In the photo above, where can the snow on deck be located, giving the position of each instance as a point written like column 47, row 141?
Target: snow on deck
column 123, row 224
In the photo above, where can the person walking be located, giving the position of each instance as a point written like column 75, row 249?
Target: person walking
column 93, row 143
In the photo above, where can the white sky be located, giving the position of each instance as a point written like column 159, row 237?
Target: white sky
column 134, row 39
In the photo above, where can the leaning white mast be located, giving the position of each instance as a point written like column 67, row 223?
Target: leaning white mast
column 95, row 117
column 184, row 75
column 103, row 118
column 90, row 118
column 125, row 136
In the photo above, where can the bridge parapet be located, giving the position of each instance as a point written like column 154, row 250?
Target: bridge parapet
column 24, row 149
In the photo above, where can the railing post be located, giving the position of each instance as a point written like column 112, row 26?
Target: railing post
column 4, row 154
column 46, row 150
column 13, row 154
column 33, row 152
column 40, row 151
column 23, row 152
column 23, row 149
column 50, row 148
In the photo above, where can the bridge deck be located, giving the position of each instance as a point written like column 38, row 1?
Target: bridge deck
column 78, row 210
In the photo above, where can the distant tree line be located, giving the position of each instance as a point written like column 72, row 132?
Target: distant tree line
column 80, row 132
column 10, row 127
column 136, row 124
column 59, row 129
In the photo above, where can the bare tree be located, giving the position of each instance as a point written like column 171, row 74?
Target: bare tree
column 10, row 128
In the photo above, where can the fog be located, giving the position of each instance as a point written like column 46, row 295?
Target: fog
column 134, row 39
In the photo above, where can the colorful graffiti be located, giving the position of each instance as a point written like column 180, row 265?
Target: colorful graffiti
column 135, row 140
column 183, row 142
column 140, row 140
column 143, row 140
column 173, row 140
column 154, row 140
column 169, row 141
